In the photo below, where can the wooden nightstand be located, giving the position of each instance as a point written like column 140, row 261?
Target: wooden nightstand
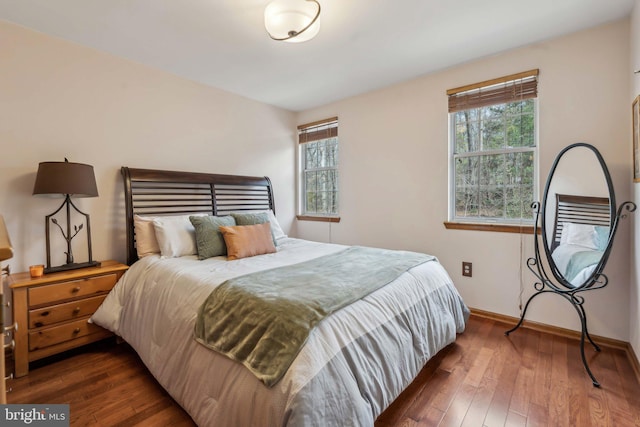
column 51, row 311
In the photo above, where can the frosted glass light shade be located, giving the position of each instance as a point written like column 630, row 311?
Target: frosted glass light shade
column 292, row 20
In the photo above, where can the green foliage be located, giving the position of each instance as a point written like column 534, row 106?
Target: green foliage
column 321, row 176
column 493, row 182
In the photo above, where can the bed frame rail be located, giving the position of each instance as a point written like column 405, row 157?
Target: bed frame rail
column 581, row 210
column 158, row 192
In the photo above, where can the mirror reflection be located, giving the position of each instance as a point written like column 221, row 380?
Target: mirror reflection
column 577, row 217
column 580, row 236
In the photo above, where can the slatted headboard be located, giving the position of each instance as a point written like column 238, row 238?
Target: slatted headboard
column 581, row 210
column 160, row 192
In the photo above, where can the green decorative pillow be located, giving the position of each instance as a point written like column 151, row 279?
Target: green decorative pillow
column 209, row 240
column 253, row 218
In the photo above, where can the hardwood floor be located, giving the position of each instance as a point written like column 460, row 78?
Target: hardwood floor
column 484, row 379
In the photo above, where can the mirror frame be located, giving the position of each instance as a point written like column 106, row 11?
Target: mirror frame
column 596, row 275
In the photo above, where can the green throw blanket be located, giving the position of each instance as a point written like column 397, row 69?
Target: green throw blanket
column 580, row 261
column 263, row 319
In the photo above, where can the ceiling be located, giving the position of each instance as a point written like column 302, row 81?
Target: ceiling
column 362, row 45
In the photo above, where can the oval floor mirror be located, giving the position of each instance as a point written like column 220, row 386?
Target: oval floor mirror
column 574, row 230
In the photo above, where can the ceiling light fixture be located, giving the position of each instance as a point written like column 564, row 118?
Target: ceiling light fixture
column 292, row 21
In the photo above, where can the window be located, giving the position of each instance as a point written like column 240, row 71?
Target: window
column 493, row 146
column 319, row 169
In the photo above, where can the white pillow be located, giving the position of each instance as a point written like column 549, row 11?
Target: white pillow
column 275, row 226
column 176, row 236
column 579, row 234
column 146, row 242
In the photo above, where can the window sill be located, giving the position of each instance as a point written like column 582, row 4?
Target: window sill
column 500, row 228
column 318, row 218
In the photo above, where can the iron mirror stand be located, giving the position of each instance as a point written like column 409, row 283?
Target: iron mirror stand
column 547, row 285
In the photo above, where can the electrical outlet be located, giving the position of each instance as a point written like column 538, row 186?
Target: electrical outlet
column 467, row 269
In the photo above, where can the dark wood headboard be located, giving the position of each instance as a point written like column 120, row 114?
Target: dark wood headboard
column 580, row 210
column 160, row 192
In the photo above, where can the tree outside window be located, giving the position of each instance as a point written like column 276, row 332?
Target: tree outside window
column 319, row 168
column 493, row 154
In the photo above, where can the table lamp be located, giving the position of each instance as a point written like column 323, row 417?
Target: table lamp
column 68, row 180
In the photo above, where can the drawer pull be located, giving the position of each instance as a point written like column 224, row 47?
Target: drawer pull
column 76, row 330
column 76, row 289
column 76, row 310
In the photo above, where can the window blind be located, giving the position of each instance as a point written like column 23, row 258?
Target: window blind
column 505, row 89
column 323, row 129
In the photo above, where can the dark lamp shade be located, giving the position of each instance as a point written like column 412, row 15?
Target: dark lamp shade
column 75, row 179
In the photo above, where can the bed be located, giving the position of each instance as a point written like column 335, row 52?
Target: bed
column 580, row 235
column 353, row 364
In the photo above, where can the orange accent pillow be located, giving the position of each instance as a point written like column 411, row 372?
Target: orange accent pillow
column 248, row 240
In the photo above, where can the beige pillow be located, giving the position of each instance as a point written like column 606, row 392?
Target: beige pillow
column 146, row 242
column 248, row 240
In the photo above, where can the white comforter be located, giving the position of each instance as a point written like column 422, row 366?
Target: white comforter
column 562, row 255
column 355, row 363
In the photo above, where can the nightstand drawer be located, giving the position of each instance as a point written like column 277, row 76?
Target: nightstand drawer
column 57, row 334
column 51, row 294
column 62, row 312
column 51, row 311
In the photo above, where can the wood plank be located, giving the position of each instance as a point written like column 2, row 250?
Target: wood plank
column 521, row 395
column 515, row 420
column 559, row 402
column 579, row 385
column 530, row 378
column 538, row 416
column 499, row 407
column 542, row 378
column 458, row 408
column 480, row 404
column 479, row 367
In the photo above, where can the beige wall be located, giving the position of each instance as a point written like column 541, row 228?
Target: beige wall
column 634, row 311
column 393, row 160
column 61, row 100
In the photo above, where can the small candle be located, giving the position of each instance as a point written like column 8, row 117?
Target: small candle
column 36, row 270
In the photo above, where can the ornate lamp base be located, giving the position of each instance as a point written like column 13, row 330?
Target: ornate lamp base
column 68, row 236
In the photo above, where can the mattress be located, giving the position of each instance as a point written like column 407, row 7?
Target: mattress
column 353, row 365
